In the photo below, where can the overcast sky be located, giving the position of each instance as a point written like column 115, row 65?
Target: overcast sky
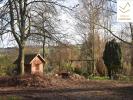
column 67, row 24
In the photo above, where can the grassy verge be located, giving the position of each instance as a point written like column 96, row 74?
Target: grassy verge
column 10, row 98
column 121, row 78
column 98, row 78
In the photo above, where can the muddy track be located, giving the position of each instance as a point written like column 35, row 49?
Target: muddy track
column 85, row 90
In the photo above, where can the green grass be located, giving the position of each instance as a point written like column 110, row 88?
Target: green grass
column 98, row 78
column 126, row 78
column 122, row 78
column 10, row 98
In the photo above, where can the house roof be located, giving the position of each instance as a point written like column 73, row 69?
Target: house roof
column 30, row 57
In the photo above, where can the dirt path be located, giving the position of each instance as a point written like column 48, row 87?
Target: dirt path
column 85, row 90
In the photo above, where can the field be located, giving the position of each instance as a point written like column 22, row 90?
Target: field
column 71, row 89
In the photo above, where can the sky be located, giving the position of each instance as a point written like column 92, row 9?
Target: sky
column 67, row 24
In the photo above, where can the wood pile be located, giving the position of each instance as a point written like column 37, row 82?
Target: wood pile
column 65, row 79
column 25, row 81
column 34, row 81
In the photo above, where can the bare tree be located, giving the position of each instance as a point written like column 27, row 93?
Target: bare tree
column 17, row 19
column 90, row 11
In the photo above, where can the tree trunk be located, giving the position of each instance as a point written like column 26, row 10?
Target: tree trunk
column 44, row 50
column 44, row 46
column 109, row 73
column 20, row 62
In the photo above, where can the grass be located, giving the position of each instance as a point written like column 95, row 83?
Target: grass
column 121, row 78
column 10, row 98
column 98, row 78
column 126, row 78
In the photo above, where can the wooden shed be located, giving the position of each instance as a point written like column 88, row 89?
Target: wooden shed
column 34, row 63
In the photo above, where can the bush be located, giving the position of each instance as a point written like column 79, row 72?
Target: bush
column 77, row 70
column 81, row 71
column 112, row 57
column 6, row 70
column 6, row 66
column 67, row 67
column 48, row 68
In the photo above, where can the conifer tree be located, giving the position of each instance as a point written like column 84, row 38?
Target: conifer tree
column 112, row 57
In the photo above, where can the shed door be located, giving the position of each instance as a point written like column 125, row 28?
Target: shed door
column 28, row 68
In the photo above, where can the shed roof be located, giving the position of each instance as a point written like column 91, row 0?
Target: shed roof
column 30, row 57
